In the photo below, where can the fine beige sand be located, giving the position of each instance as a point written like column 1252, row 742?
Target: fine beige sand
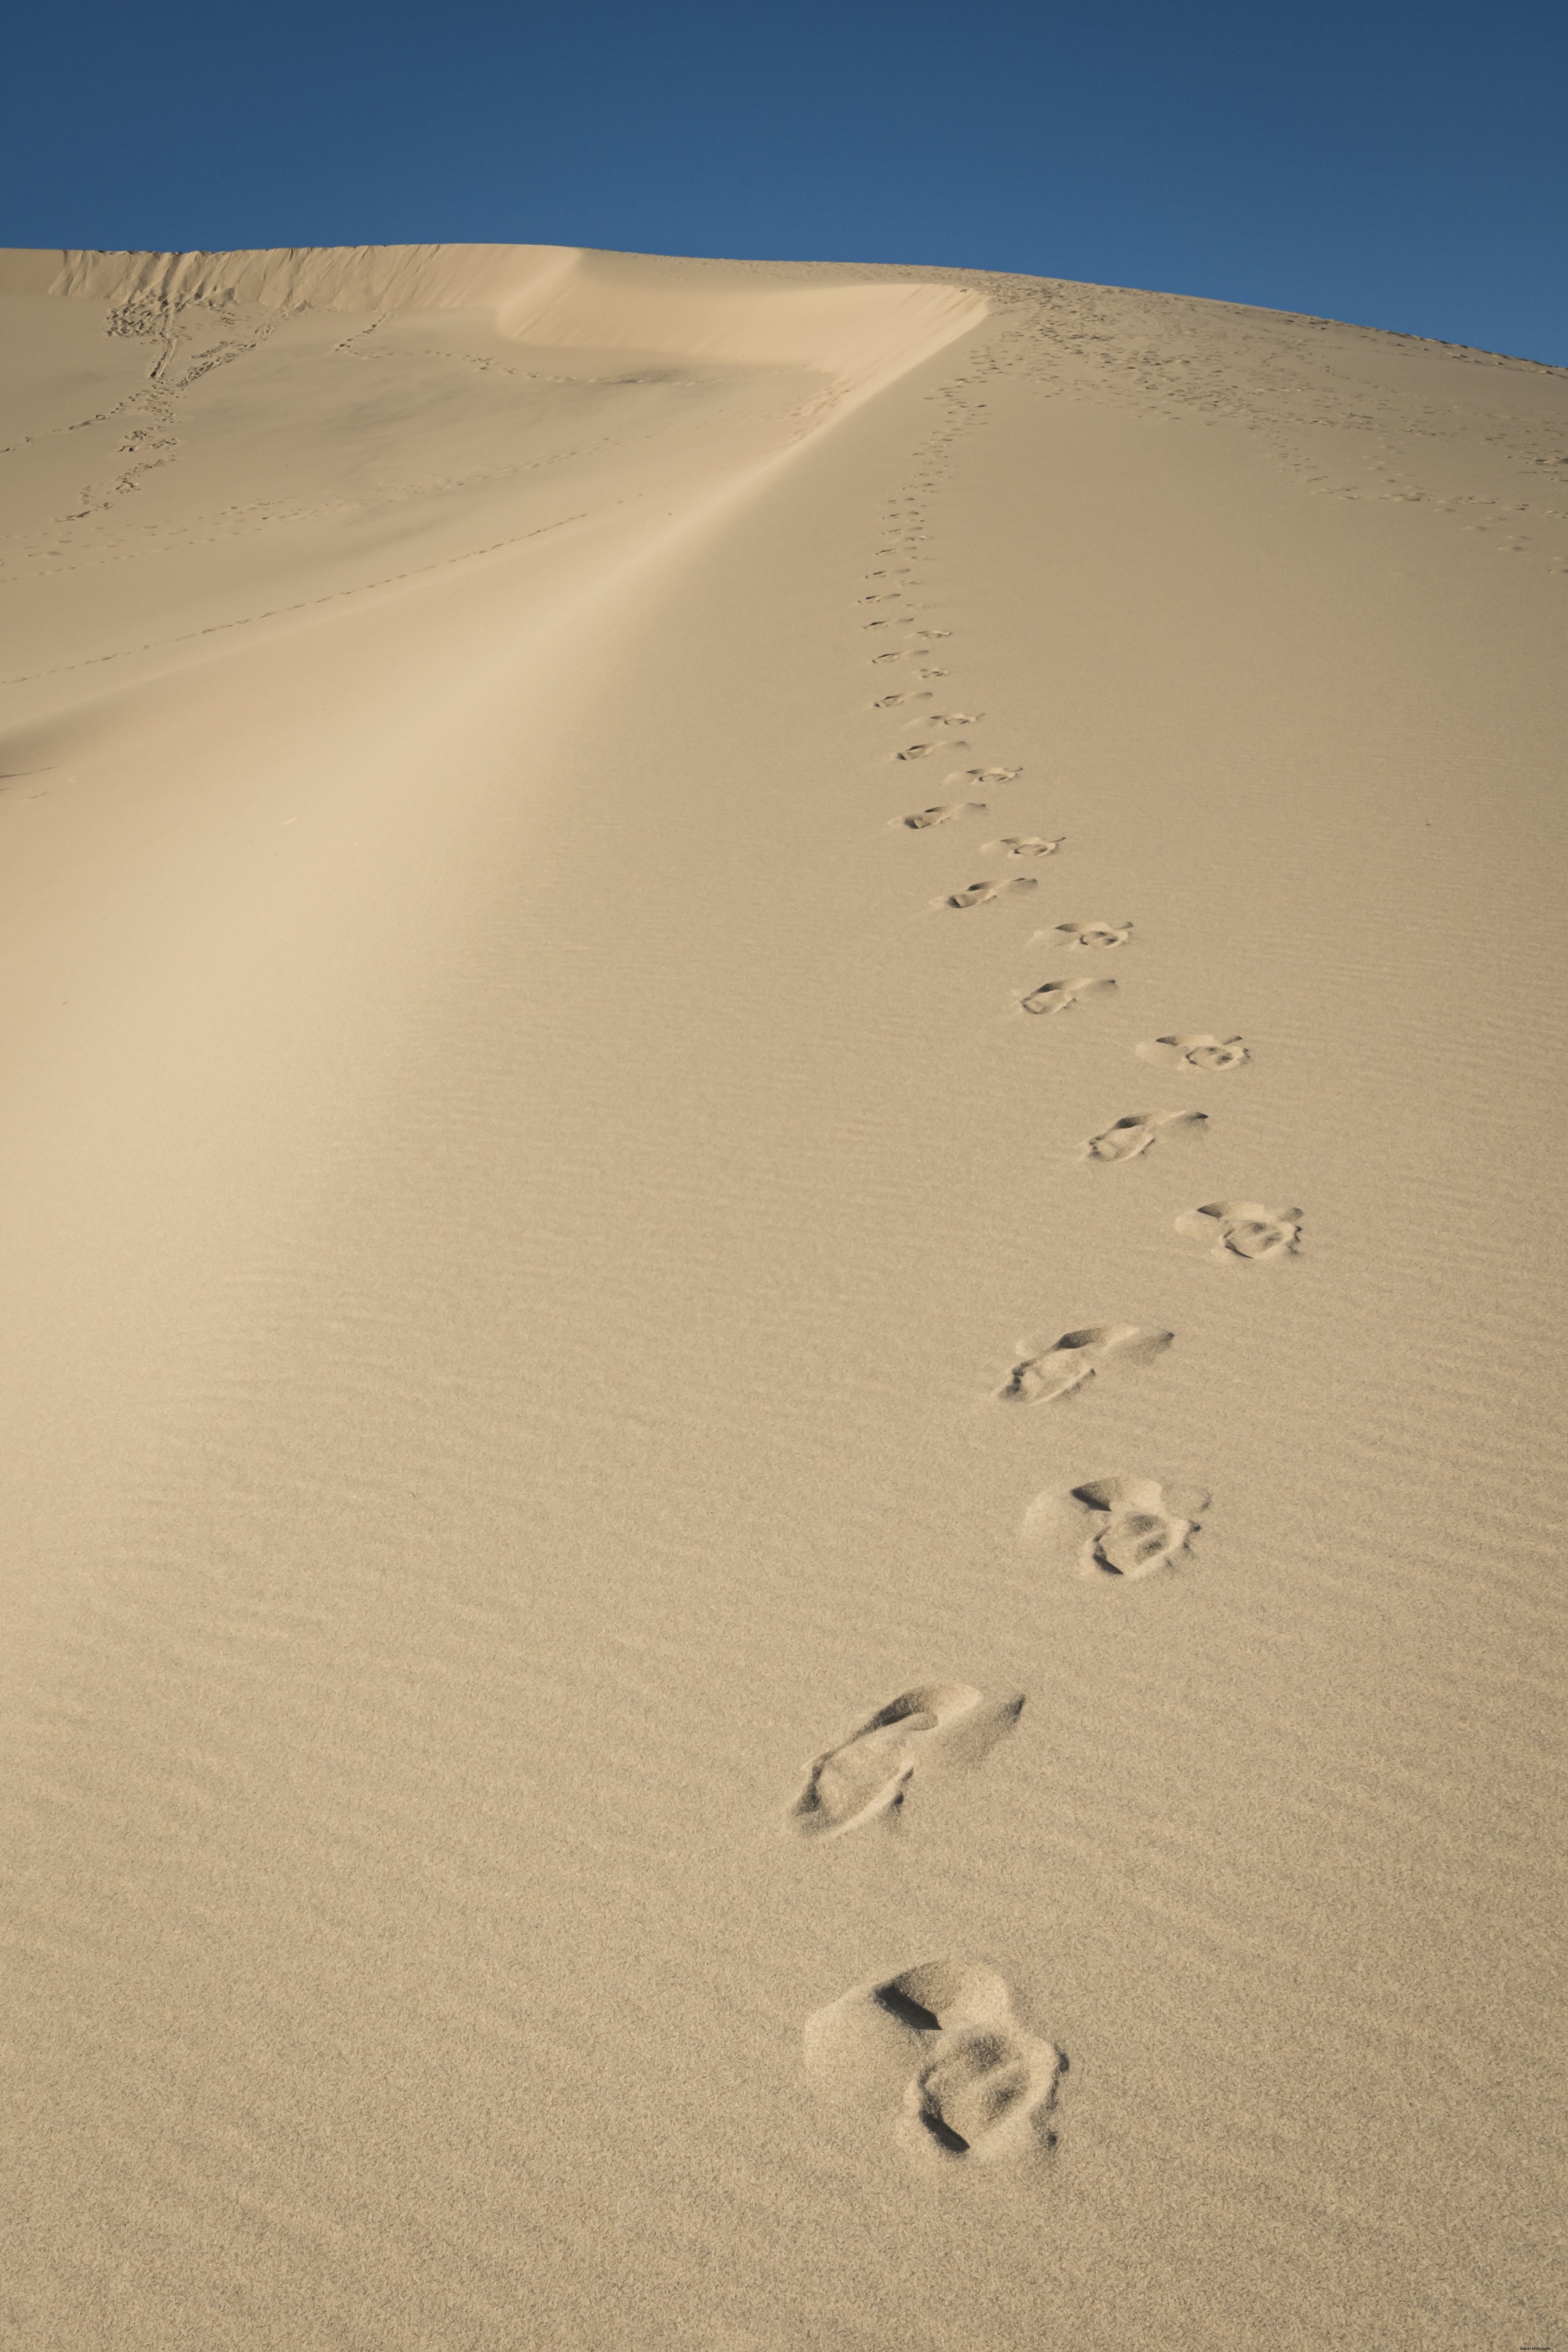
column 784, row 1274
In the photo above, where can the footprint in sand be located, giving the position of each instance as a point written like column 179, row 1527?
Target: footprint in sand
column 1046, row 1372
column 1061, row 995
column 1199, row 1052
column 1126, row 1528
column 980, row 894
column 1243, row 1229
column 937, row 2056
column 1024, row 844
column 891, row 702
column 921, row 818
column 916, row 750
column 984, row 776
column 937, row 1726
column 1095, row 935
column 1135, row 1134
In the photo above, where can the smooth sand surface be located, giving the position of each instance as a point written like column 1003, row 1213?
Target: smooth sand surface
column 586, row 1308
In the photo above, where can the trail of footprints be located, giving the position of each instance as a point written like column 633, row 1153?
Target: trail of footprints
column 938, row 2057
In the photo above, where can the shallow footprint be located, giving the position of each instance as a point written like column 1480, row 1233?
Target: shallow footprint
column 869, row 1774
column 980, row 894
column 1128, row 1137
column 984, row 776
column 1024, row 844
column 1096, row 935
column 1126, row 1528
column 1243, row 1229
column 1061, row 995
column 1044, row 1374
column 1198, row 1052
column 920, row 818
column 938, row 2056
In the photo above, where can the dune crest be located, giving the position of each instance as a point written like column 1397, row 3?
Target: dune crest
column 861, row 332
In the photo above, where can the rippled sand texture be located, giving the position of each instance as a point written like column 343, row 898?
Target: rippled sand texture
column 527, row 1167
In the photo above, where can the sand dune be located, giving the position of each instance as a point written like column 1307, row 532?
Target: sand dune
column 580, row 1774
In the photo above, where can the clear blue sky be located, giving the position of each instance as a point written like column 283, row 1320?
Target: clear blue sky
column 1398, row 165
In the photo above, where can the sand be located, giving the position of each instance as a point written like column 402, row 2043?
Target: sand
column 776, row 1579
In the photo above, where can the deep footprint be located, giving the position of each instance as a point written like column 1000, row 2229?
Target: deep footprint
column 1129, row 1137
column 1024, row 844
column 1042, row 1374
column 1118, row 1527
column 980, row 894
column 937, row 2056
column 937, row 1726
column 920, row 818
column 1096, row 935
column 1061, row 995
column 1198, row 1052
column 1243, row 1229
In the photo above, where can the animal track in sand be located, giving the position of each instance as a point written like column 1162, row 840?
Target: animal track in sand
column 1045, row 1374
column 934, row 1725
column 980, row 894
column 1135, row 1134
column 1061, row 995
column 1024, row 844
column 920, row 818
column 1126, row 1528
column 937, row 2055
column 1243, row 1229
column 1199, row 1052
column 1095, row 935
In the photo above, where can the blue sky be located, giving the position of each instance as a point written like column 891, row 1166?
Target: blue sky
column 1403, row 166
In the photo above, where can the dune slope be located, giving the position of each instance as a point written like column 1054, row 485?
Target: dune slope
column 783, row 1289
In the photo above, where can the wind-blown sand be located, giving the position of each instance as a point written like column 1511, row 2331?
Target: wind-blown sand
column 589, row 1307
